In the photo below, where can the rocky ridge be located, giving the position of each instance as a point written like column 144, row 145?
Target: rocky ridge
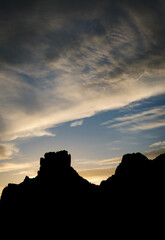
column 135, row 191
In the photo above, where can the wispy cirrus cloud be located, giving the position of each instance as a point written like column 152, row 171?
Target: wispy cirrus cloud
column 144, row 120
column 64, row 61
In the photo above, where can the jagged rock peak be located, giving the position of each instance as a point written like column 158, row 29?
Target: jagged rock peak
column 54, row 160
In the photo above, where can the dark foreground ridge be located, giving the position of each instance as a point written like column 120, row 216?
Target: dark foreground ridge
column 58, row 196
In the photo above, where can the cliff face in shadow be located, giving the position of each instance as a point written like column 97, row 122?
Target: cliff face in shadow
column 59, row 195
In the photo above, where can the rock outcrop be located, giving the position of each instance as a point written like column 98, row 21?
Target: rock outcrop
column 51, row 161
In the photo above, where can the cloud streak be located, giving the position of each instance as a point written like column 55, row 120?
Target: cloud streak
column 76, row 123
column 160, row 144
column 144, row 120
column 8, row 166
column 7, row 150
column 97, row 164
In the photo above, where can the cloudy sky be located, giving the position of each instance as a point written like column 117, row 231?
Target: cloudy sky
column 86, row 76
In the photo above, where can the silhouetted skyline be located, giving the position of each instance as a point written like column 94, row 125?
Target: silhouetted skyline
column 58, row 197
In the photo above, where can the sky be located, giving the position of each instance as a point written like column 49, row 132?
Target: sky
column 84, row 76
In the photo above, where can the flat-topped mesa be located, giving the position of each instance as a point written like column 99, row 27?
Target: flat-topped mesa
column 133, row 164
column 54, row 161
